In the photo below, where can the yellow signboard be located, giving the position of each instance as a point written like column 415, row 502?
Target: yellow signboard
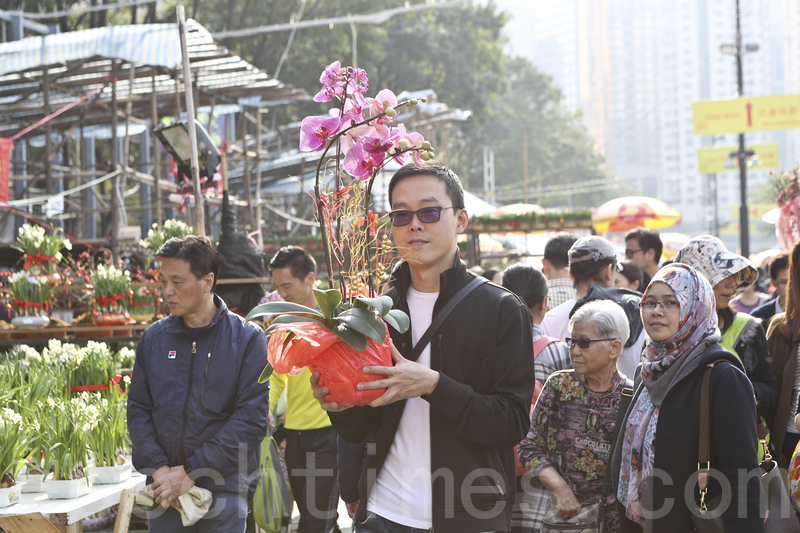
column 740, row 115
column 718, row 159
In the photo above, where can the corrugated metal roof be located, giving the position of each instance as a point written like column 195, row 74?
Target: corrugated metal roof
column 79, row 62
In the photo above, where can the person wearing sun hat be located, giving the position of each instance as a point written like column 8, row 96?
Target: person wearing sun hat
column 742, row 334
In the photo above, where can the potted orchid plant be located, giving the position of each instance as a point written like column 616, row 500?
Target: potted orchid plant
column 347, row 330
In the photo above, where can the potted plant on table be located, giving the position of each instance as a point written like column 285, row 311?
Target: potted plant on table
column 111, row 295
column 348, row 330
column 109, row 441
column 15, row 447
column 41, row 252
column 31, row 297
column 65, row 426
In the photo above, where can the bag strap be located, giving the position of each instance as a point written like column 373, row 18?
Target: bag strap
column 440, row 318
column 704, row 441
column 543, row 342
column 624, row 403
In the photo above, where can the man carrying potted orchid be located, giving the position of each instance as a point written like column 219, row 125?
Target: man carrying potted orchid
column 456, row 401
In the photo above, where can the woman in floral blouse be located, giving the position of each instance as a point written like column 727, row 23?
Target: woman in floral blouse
column 569, row 443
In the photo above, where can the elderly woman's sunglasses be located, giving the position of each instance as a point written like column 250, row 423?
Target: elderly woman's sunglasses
column 583, row 344
column 426, row 215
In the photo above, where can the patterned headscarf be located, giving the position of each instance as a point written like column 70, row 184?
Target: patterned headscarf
column 709, row 256
column 698, row 318
column 661, row 362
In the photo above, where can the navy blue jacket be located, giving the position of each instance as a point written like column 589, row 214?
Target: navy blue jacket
column 200, row 401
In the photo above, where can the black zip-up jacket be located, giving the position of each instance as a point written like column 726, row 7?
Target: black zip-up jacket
column 479, row 408
column 200, row 401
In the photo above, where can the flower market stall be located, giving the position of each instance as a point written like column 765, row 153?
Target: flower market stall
column 64, row 443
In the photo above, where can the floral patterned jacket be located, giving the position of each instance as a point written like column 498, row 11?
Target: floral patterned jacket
column 571, row 430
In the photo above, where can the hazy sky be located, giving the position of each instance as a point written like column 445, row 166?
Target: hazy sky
column 517, row 29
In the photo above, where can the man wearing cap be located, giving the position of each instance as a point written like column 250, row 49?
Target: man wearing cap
column 592, row 266
column 729, row 274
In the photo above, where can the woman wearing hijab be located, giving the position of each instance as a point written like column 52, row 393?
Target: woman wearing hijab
column 742, row 334
column 784, row 346
column 655, row 459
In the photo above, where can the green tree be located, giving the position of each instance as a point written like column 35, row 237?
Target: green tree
column 559, row 150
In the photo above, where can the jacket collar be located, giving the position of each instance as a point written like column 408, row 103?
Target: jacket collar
column 450, row 281
column 175, row 324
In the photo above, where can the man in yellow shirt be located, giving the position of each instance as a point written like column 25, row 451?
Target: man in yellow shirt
column 310, row 438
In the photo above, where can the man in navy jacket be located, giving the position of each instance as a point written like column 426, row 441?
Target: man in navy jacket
column 196, row 412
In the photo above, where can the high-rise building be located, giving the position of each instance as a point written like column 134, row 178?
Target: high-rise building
column 634, row 68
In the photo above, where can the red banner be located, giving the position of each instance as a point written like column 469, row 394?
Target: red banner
column 6, row 145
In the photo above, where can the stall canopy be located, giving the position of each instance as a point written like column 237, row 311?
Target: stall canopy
column 139, row 57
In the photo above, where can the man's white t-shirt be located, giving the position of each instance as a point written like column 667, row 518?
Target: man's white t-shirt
column 556, row 324
column 402, row 492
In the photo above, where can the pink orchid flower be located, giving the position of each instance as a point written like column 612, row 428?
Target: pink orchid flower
column 378, row 105
column 328, row 93
column 332, row 74
column 359, row 164
column 355, row 136
column 315, row 131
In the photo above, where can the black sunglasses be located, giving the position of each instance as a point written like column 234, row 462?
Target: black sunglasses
column 425, row 215
column 582, row 343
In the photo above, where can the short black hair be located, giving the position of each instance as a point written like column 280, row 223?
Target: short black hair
column 633, row 272
column 299, row 261
column 490, row 273
column 590, row 270
column 526, row 282
column 436, row 169
column 778, row 263
column 199, row 252
column 648, row 240
column 556, row 250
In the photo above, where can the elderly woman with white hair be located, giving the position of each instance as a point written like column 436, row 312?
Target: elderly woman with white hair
column 573, row 424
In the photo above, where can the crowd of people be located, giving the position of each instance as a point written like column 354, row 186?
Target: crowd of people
column 517, row 400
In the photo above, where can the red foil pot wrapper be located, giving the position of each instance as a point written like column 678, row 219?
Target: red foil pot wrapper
column 295, row 346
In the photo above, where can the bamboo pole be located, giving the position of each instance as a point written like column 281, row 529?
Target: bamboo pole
column 199, row 218
column 259, row 235
column 246, row 172
column 115, row 229
column 156, row 150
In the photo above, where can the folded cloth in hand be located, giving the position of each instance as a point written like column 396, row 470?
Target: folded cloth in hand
column 195, row 503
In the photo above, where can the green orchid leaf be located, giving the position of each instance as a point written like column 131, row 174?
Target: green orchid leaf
column 366, row 322
column 353, row 338
column 289, row 319
column 280, row 308
column 265, row 374
column 328, row 301
column 383, row 304
column 398, row 320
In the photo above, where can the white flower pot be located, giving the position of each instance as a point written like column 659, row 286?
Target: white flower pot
column 34, row 482
column 65, row 489
column 10, row 496
column 108, row 475
column 30, row 322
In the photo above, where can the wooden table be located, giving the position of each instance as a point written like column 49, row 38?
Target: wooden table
column 35, row 512
column 77, row 333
